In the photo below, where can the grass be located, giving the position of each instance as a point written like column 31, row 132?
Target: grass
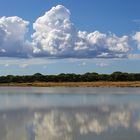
column 75, row 84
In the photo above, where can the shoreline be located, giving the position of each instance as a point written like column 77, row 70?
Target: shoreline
column 74, row 84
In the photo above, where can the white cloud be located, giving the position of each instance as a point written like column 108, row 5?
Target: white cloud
column 136, row 37
column 83, row 64
column 101, row 45
column 56, row 36
column 12, row 37
column 102, row 64
column 23, row 66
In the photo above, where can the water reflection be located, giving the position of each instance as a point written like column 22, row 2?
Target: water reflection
column 74, row 124
column 69, row 117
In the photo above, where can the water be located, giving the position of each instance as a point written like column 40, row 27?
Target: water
column 69, row 113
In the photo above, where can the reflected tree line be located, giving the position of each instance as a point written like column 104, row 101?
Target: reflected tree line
column 71, row 77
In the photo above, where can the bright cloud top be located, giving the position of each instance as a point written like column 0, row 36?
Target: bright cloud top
column 56, row 36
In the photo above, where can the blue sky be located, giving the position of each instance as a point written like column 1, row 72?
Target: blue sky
column 108, row 17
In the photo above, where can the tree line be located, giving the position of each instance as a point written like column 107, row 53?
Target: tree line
column 71, row 77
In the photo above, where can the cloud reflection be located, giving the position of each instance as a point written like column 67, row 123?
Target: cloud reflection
column 73, row 124
column 69, row 123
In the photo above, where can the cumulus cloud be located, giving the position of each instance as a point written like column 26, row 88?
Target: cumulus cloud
column 56, row 36
column 12, row 37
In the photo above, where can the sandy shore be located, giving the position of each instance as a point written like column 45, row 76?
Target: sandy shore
column 75, row 84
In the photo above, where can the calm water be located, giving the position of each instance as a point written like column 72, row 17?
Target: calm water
column 69, row 113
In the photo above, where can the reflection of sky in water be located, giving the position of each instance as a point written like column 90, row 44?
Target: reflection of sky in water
column 86, row 116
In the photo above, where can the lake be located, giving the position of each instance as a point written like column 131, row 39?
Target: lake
column 69, row 113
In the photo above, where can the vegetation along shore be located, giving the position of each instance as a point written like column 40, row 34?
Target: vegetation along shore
column 116, row 79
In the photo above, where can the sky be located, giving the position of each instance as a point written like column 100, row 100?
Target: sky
column 69, row 36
